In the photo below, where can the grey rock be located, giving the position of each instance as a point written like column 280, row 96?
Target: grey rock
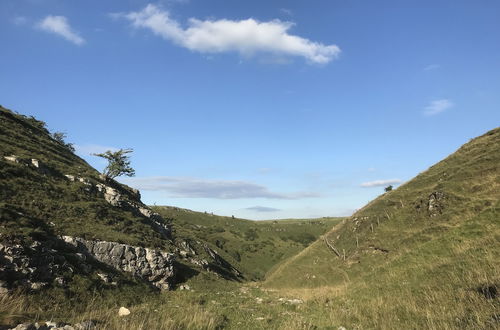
column 70, row 177
column 85, row 325
column 11, row 158
column 24, row 326
column 104, row 277
column 153, row 266
column 60, row 281
column 38, row 285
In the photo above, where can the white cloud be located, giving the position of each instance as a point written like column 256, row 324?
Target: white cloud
column 246, row 37
column 59, row 25
column 378, row 183
column 431, row 67
column 437, row 106
column 181, row 187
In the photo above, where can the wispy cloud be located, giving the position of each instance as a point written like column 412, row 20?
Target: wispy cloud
column 202, row 188
column 286, row 11
column 262, row 209
column 19, row 20
column 59, row 25
column 89, row 149
column 246, row 37
column 379, row 183
column 437, row 106
column 431, row 67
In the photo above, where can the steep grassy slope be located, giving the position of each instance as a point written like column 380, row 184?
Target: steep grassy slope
column 36, row 202
column 424, row 255
column 252, row 246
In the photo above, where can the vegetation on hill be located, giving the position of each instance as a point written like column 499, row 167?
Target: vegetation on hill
column 254, row 247
column 39, row 201
column 422, row 256
column 46, row 191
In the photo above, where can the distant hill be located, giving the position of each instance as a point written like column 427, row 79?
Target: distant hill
column 254, row 247
column 61, row 220
column 430, row 246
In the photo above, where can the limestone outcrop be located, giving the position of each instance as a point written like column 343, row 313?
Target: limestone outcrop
column 153, row 266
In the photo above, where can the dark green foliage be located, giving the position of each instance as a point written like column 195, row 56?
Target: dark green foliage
column 118, row 163
column 59, row 137
column 388, row 188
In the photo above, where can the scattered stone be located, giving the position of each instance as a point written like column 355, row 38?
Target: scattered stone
column 70, row 177
column 60, row 281
column 36, row 163
column 86, row 325
column 291, row 301
column 259, row 300
column 104, row 277
column 24, row 326
column 123, row 311
column 295, row 301
column 11, row 158
column 260, row 318
column 38, row 285
column 51, row 324
column 184, row 287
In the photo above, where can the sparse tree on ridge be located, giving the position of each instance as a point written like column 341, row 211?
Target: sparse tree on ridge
column 59, row 137
column 388, row 188
column 118, row 163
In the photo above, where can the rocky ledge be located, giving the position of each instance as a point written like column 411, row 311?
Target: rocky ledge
column 154, row 266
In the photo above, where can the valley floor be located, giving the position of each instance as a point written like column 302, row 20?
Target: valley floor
column 210, row 303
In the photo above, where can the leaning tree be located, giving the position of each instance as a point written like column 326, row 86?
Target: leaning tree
column 118, row 163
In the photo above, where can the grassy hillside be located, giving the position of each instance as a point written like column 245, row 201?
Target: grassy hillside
column 41, row 202
column 252, row 246
column 38, row 201
column 423, row 255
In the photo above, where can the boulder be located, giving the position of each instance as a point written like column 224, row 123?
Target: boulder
column 123, row 311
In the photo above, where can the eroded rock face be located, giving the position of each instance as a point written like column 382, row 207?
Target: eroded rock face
column 34, row 266
column 153, row 266
column 435, row 203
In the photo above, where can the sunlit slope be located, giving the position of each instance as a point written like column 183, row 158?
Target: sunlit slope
column 38, row 201
column 440, row 229
column 254, row 247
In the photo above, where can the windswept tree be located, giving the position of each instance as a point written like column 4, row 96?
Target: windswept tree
column 59, row 137
column 388, row 188
column 118, row 163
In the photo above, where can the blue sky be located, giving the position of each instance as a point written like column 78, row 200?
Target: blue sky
column 261, row 109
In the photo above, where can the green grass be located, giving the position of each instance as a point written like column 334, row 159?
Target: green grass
column 254, row 247
column 401, row 266
column 43, row 204
column 407, row 267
